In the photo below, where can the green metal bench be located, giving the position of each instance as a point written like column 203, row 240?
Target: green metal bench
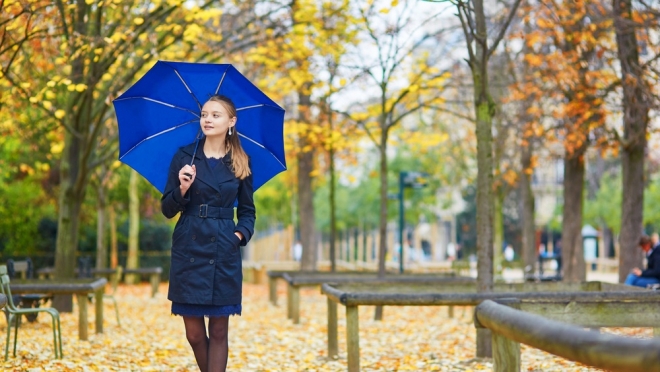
column 15, row 313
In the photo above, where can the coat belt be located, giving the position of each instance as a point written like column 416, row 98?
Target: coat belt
column 209, row 211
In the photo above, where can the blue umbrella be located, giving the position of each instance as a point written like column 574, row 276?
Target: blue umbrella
column 160, row 113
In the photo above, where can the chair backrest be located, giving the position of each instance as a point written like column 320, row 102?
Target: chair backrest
column 4, row 287
column 23, row 268
column 85, row 267
column 116, row 278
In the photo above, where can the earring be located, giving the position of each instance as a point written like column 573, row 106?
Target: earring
column 230, row 131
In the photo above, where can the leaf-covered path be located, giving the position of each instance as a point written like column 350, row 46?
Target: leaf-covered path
column 263, row 339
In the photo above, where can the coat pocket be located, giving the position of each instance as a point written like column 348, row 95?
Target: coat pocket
column 180, row 267
column 228, row 249
column 237, row 241
column 180, row 232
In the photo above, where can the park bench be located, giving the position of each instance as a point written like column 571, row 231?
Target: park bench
column 153, row 273
column 461, row 267
column 544, row 325
column 415, row 294
column 282, row 265
column 603, row 264
column 430, row 267
column 79, row 287
column 552, row 258
column 111, row 275
column 275, row 275
column 515, row 264
column 24, row 269
column 253, row 272
column 297, row 280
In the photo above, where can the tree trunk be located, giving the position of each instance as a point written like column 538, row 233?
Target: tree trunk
column 635, row 121
column 306, row 210
column 68, row 221
column 333, row 212
column 484, row 190
column 114, row 259
column 477, row 38
column 632, row 208
column 498, row 230
column 528, row 249
column 382, row 225
column 74, row 175
column 101, row 246
column 572, row 251
column 132, row 261
column 305, row 192
column 484, row 112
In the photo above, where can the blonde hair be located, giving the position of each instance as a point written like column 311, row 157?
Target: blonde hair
column 239, row 159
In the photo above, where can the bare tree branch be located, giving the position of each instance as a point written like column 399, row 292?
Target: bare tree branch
column 504, row 27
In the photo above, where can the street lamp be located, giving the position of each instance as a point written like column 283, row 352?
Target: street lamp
column 416, row 180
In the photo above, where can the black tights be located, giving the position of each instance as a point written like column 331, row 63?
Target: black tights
column 210, row 351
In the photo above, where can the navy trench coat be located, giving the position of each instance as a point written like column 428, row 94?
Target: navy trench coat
column 206, row 260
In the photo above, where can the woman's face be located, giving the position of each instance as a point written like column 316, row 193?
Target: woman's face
column 215, row 120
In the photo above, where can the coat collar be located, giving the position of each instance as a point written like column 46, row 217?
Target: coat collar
column 210, row 176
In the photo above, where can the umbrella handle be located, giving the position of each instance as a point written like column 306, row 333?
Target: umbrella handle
column 199, row 136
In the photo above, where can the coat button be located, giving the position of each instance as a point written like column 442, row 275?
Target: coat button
column 192, row 260
column 211, row 262
column 213, row 238
column 194, row 237
column 197, row 192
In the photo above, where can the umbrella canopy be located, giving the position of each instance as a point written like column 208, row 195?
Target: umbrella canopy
column 161, row 111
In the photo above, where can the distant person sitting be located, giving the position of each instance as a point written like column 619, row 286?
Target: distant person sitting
column 642, row 278
column 509, row 253
column 655, row 240
column 297, row 251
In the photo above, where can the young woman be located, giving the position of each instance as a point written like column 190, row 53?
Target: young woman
column 204, row 181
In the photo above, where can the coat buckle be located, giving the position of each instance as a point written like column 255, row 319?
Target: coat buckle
column 203, row 210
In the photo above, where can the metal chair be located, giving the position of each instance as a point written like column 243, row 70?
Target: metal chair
column 113, row 283
column 25, row 270
column 85, row 271
column 16, row 312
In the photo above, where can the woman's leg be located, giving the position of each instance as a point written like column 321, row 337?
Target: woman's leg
column 644, row 281
column 630, row 279
column 196, row 335
column 218, row 343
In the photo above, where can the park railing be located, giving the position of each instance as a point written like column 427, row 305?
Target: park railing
column 510, row 327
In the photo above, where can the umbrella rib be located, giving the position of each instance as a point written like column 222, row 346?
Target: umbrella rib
column 187, row 88
column 221, row 80
column 262, row 146
column 158, row 134
column 160, row 103
column 249, row 107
